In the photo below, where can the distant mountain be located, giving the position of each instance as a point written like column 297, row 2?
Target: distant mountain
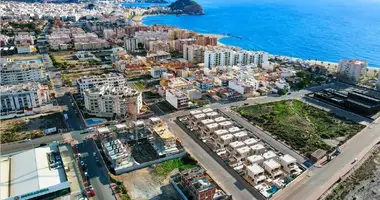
column 152, row 1
column 188, row 7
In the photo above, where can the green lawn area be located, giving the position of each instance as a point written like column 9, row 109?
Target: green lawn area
column 301, row 126
column 140, row 85
column 163, row 169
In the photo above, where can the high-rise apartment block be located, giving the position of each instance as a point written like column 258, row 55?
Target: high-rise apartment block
column 23, row 96
column 109, row 100
column 13, row 73
column 350, row 71
column 88, row 82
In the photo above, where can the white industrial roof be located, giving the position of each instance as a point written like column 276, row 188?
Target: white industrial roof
column 288, row 158
column 269, row 155
column 236, row 144
column 234, row 129
column 255, row 169
column 103, row 130
column 250, row 141
column 27, row 172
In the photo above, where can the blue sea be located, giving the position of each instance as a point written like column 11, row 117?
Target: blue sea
column 327, row 30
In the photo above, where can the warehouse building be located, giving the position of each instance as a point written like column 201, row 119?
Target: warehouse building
column 34, row 174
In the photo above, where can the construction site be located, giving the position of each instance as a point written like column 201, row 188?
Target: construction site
column 137, row 144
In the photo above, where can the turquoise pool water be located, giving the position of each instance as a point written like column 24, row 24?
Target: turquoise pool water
column 37, row 60
column 95, row 121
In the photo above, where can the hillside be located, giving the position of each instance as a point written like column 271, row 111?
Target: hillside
column 188, row 7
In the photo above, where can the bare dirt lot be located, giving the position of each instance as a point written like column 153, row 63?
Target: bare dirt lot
column 362, row 184
column 29, row 127
column 144, row 184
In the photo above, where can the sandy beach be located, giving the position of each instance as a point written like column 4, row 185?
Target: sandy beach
column 218, row 36
column 138, row 19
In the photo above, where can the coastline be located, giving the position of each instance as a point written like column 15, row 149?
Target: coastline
column 138, row 19
column 332, row 66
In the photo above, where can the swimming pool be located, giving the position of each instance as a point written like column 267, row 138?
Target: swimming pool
column 95, row 121
column 37, row 60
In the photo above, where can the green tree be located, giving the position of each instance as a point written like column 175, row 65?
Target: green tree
column 282, row 91
column 301, row 74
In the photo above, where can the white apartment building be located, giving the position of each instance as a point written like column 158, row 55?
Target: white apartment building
column 131, row 44
column 13, row 73
column 219, row 57
column 244, row 86
column 108, row 34
column 214, row 57
column 177, row 98
column 88, row 82
column 109, row 100
column 23, row 96
column 142, row 36
column 194, row 53
column 351, row 70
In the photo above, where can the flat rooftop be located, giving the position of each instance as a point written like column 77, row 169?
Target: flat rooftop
column 28, row 171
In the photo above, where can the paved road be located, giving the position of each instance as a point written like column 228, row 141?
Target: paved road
column 97, row 175
column 24, row 145
column 216, row 171
column 256, row 100
column 74, row 120
column 320, row 180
